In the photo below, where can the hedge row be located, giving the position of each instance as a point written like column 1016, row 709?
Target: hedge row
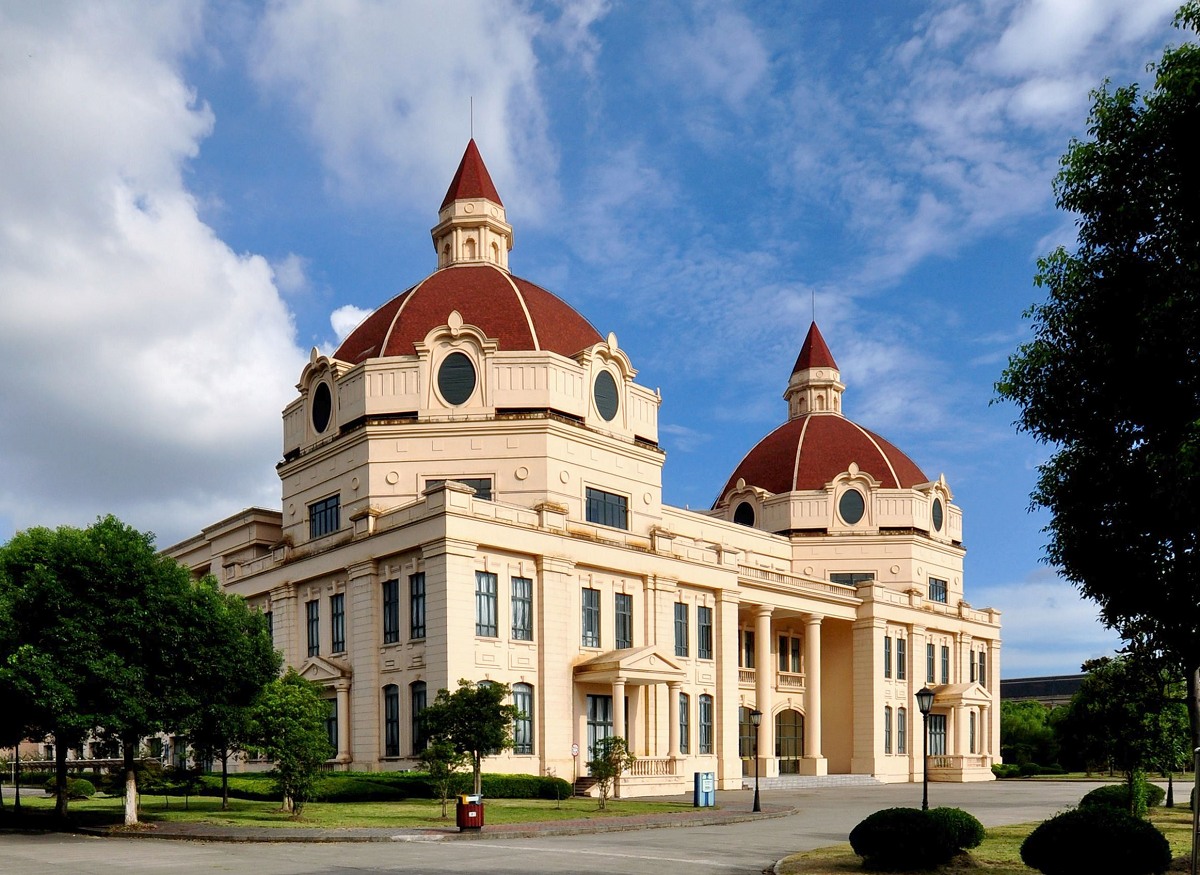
column 386, row 787
column 1025, row 770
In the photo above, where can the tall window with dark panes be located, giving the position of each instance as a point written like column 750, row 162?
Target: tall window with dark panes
column 324, row 516
column 901, row 659
column 747, row 649
column 887, row 656
column 331, row 723
column 704, row 632
column 706, row 724
column 945, row 664
column 929, row 663
column 937, row 735
column 901, row 730
column 681, row 629
column 418, row 699
column 789, row 654
column 312, row 614
column 623, row 620
column 391, row 721
column 391, row 613
column 937, row 590
column 523, row 724
column 971, row 661
column 270, row 618
column 685, row 723
column 522, row 609
column 607, row 509
column 485, row 604
column 416, row 605
column 337, row 622
column 887, row 728
column 983, row 678
column 590, row 619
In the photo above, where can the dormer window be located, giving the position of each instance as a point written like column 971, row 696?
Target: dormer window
column 938, row 515
column 604, row 392
column 322, row 407
column 456, row 379
column 851, row 506
column 743, row 515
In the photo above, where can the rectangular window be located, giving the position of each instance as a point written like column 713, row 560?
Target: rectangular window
column 522, row 609
column 391, row 614
column 270, row 618
column 945, row 664
column 901, row 659
column 685, row 728
column 324, row 516
column 971, row 657
column 789, row 654
column 523, row 725
column 901, row 730
column 851, row 578
column 929, row 663
column 971, row 723
column 887, row 729
column 416, row 605
column 481, row 485
column 887, row 656
column 591, row 618
column 681, row 629
column 391, row 720
column 337, row 620
column 607, row 509
column 937, row 735
column 706, row 724
column 623, row 627
column 983, row 678
column 937, row 590
column 312, row 613
column 485, row 604
column 418, row 700
column 748, row 648
column 704, row 633
column 331, row 726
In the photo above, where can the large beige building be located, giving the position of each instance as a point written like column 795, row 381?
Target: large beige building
column 472, row 488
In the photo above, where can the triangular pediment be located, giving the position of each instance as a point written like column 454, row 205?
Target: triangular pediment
column 320, row 670
column 637, row 665
column 961, row 694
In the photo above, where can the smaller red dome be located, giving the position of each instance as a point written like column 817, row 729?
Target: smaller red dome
column 517, row 313
column 807, row 452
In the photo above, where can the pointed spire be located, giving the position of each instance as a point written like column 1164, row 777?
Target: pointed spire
column 471, row 180
column 815, row 385
column 814, row 353
column 472, row 227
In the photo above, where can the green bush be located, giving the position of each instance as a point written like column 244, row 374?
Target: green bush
column 965, row 830
column 902, row 838
column 1117, row 796
column 77, row 788
column 1098, row 840
column 1005, row 770
column 1028, row 770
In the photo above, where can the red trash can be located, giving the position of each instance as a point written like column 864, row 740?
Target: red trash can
column 468, row 812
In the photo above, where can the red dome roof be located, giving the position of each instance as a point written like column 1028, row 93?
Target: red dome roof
column 517, row 313
column 809, row 451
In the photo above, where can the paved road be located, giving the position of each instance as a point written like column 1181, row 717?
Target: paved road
column 825, row 817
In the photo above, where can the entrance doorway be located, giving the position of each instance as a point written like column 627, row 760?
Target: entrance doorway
column 789, row 741
column 599, row 721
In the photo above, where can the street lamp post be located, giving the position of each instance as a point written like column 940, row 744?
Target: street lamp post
column 925, row 703
column 756, row 721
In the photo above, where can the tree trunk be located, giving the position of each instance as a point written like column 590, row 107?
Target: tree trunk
column 1193, row 706
column 60, row 777
column 1170, row 790
column 478, row 774
column 128, row 748
column 17, row 781
column 224, row 779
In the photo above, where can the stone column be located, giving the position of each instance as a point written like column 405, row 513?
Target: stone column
column 618, row 694
column 674, row 688
column 764, row 686
column 342, row 686
column 814, row 762
column 725, row 635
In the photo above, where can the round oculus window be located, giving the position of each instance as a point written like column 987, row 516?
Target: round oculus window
column 744, row 514
column 851, row 506
column 604, row 391
column 456, row 378
column 322, row 407
column 938, row 517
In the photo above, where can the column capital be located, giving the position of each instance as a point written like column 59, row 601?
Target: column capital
column 813, row 620
column 763, row 610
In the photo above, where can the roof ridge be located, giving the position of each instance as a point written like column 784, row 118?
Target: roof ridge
column 799, row 451
column 524, row 307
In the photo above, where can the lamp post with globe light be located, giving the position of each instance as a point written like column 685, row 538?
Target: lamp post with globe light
column 756, row 721
column 925, row 703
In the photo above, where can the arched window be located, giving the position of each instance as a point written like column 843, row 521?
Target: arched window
column 523, row 726
column 391, row 721
column 495, row 254
column 789, row 741
column 745, row 734
column 469, row 248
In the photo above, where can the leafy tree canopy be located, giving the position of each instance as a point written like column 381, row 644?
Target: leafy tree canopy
column 289, row 728
column 474, row 719
column 1111, row 378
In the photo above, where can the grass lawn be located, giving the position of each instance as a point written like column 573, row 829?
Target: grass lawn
column 414, row 813
column 1000, row 853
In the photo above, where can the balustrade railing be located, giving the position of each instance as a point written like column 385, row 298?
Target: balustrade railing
column 652, row 767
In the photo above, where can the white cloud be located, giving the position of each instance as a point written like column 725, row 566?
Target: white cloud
column 384, row 90
column 345, row 319
column 153, row 359
column 291, row 273
column 719, row 54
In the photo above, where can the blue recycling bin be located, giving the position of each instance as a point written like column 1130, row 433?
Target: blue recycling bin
column 704, row 790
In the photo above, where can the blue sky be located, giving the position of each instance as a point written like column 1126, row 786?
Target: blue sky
column 195, row 194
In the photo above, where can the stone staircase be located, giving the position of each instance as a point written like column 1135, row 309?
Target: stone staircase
column 810, row 782
column 583, row 786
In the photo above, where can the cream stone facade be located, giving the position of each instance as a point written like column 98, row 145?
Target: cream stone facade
column 472, row 488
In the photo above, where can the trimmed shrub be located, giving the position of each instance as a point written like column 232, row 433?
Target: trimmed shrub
column 1028, row 770
column 902, row 838
column 1117, row 796
column 1005, row 770
column 1098, row 840
column 965, row 829
column 77, row 788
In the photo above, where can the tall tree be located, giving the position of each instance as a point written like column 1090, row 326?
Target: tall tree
column 474, row 719
column 1111, row 379
column 234, row 660
column 289, row 728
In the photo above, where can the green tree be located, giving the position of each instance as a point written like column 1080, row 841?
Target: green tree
column 474, row 719
column 444, row 765
column 610, row 758
column 1026, row 733
column 235, row 661
column 1111, row 378
column 288, row 727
